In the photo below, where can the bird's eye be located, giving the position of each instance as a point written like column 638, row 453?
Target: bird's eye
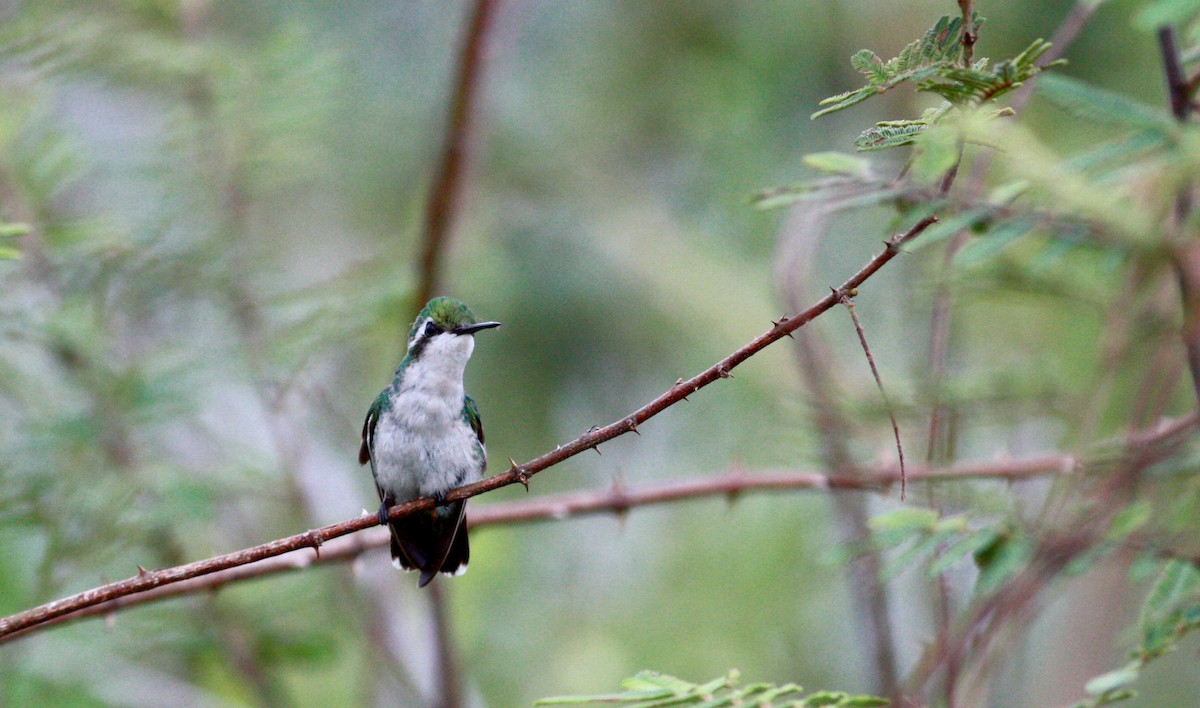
column 430, row 329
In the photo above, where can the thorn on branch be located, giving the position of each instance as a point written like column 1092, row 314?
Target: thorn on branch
column 678, row 383
column 632, row 425
column 314, row 541
column 523, row 478
column 142, row 571
column 782, row 321
column 722, row 372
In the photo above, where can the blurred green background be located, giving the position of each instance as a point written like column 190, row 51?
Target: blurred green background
column 225, row 200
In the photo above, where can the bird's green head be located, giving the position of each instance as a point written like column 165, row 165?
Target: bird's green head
column 444, row 315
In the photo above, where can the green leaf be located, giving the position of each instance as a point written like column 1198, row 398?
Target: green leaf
column 1129, row 519
column 824, row 698
column 1103, row 107
column 946, row 228
column 864, row 701
column 649, row 689
column 926, row 546
column 844, row 100
column 871, row 66
column 623, row 697
column 996, row 239
column 890, row 134
column 1113, row 680
column 1000, row 561
column 838, row 163
column 10, row 230
column 937, row 151
column 1176, row 592
column 1153, row 15
column 968, row 544
column 651, row 680
column 906, row 519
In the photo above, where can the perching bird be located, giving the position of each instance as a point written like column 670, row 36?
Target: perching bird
column 423, row 438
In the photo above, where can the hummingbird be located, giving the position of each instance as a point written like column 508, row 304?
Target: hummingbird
column 423, row 437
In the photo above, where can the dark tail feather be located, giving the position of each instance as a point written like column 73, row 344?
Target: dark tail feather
column 460, row 551
column 427, row 541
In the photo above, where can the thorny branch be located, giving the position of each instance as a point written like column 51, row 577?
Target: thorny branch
column 343, row 547
column 517, row 474
column 618, row 499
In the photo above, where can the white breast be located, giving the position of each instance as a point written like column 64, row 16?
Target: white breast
column 422, row 445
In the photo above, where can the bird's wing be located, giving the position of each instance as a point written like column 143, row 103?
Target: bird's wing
column 366, row 451
column 471, row 418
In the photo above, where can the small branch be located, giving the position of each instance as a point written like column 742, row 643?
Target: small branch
column 969, row 35
column 443, row 192
column 868, row 596
column 1177, row 83
column 562, row 506
column 1186, row 250
column 1062, row 38
column 517, row 474
column 1141, row 445
column 449, row 695
column 862, row 338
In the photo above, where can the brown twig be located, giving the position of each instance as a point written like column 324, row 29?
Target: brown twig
column 517, row 474
column 1185, row 251
column 969, row 36
column 562, row 506
column 939, row 337
column 868, row 596
column 343, row 547
column 449, row 695
column 862, row 339
column 979, row 631
column 443, row 192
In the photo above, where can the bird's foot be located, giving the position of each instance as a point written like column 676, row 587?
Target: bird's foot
column 383, row 512
column 439, row 499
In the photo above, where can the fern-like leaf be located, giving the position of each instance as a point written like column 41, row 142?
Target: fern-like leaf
column 938, row 49
column 651, row 689
column 889, row 134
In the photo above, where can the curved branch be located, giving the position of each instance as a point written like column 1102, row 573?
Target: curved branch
column 146, row 580
column 562, row 506
column 1140, row 445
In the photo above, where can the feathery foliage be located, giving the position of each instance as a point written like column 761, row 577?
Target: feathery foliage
column 933, row 63
column 650, row 689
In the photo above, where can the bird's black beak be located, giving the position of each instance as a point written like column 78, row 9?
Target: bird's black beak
column 472, row 329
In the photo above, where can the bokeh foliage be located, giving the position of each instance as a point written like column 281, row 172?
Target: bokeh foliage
column 215, row 209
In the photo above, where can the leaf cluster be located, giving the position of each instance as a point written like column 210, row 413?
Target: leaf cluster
column 939, row 49
column 1170, row 611
column 934, row 63
column 650, row 689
